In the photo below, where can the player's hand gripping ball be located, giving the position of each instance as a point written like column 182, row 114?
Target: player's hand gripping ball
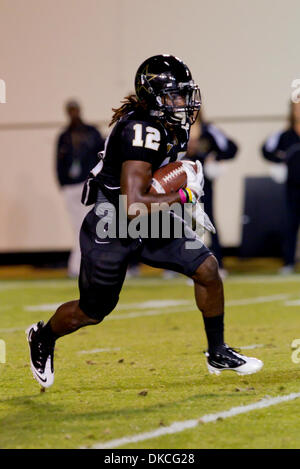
column 178, row 175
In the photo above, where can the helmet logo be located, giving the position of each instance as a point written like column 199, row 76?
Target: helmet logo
column 146, row 77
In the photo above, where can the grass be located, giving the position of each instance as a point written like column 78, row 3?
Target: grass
column 159, row 374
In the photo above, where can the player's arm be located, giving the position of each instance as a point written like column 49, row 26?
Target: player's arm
column 141, row 147
column 136, row 179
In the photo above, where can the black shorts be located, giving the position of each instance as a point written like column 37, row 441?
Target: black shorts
column 104, row 263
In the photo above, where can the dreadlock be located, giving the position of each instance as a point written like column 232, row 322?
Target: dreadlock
column 129, row 103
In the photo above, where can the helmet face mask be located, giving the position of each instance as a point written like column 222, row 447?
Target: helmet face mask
column 165, row 85
column 181, row 106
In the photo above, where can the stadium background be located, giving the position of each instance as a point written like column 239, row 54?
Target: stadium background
column 244, row 55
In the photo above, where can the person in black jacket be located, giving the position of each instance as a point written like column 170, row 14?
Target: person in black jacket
column 284, row 147
column 209, row 145
column 77, row 149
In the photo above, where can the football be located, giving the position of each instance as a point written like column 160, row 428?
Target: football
column 169, row 178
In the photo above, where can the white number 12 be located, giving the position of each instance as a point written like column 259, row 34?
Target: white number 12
column 152, row 137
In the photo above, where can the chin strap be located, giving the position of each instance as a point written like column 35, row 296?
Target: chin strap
column 183, row 122
column 156, row 113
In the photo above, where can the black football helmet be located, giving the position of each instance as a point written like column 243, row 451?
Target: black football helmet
column 165, row 85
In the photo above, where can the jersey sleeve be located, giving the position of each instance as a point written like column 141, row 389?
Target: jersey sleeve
column 141, row 141
column 272, row 149
column 225, row 148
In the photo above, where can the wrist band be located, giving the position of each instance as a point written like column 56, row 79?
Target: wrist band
column 187, row 196
column 190, row 195
column 183, row 196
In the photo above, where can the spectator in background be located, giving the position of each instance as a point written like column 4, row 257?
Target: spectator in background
column 76, row 155
column 284, row 148
column 209, row 145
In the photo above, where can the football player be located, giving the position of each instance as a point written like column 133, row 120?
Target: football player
column 150, row 129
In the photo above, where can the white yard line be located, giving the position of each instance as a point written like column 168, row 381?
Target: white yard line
column 46, row 307
column 143, row 305
column 294, row 278
column 116, row 349
column 177, row 427
column 13, row 329
column 292, row 303
column 251, row 347
column 186, row 307
column 158, row 304
column 263, row 278
column 147, row 282
column 257, row 299
column 18, row 284
column 154, row 304
column 114, row 317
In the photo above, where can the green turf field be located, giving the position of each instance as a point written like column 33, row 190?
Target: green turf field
column 143, row 368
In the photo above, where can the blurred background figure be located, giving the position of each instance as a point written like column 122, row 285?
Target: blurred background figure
column 77, row 149
column 283, row 148
column 209, row 145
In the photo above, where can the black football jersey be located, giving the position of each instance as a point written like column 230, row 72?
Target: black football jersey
column 284, row 147
column 139, row 137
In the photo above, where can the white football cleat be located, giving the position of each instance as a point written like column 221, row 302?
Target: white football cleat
column 41, row 356
column 226, row 358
